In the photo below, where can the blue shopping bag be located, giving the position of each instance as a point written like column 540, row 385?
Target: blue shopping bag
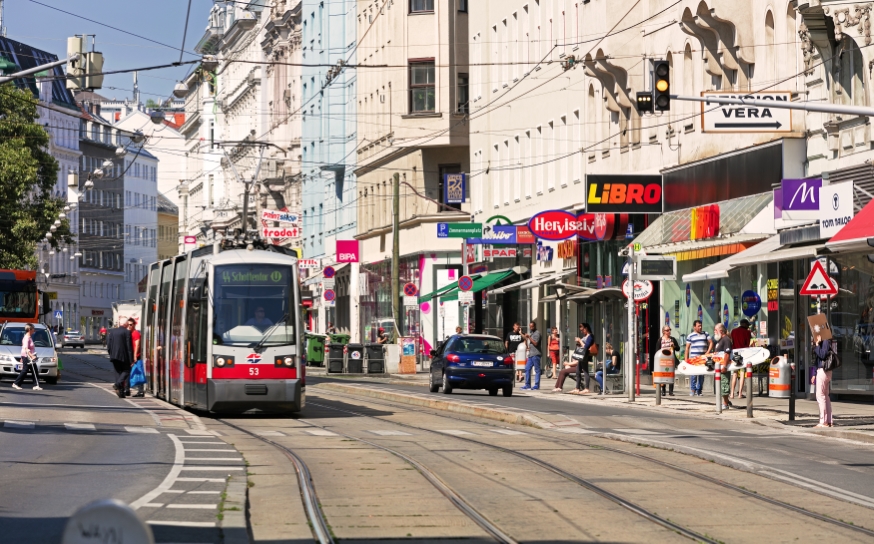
column 137, row 374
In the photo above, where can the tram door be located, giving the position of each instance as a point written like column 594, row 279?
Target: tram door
column 196, row 337
column 161, row 330
column 148, row 326
column 176, row 353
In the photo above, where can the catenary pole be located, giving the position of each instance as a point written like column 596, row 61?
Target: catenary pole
column 396, row 253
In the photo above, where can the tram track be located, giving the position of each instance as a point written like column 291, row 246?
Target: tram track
column 568, row 441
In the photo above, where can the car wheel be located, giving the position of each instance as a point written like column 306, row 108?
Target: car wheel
column 493, row 392
column 432, row 387
column 447, row 389
column 51, row 381
column 508, row 391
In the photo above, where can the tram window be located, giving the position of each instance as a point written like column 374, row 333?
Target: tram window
column 177, row 346
column 254, row 304
column 196, row 332
column 163, row 302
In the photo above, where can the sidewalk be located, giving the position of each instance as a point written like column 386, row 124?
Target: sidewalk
column 853, row 420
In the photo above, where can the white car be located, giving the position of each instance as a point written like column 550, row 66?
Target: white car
column 11, row 336
column 72, row 339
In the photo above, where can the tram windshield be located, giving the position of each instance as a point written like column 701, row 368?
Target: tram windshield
column 253, row 305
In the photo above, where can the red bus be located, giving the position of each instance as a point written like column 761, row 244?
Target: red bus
column 19, row 297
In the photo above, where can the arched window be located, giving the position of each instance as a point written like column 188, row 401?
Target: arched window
column 850, row 74
column 688, row 75
column 591, row 117
column 769, row 75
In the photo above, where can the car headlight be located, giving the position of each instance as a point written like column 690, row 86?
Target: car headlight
column 48, row 359
column 7, row 358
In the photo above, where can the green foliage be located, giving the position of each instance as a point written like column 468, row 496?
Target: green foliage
column 27, row 178
column 152, row 105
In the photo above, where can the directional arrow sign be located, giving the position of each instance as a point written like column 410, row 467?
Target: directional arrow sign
column 818, row 283
column 717, row 118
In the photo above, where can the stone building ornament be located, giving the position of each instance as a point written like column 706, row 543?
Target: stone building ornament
column 859, row 15
column 807, row 48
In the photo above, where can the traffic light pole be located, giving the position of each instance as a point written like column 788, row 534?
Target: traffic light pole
column 778, row 104
column 36, row 69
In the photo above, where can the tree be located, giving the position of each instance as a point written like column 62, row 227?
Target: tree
column 152, row 105
column 28, row 174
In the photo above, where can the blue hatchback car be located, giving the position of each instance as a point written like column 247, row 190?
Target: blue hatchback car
column 472, row 361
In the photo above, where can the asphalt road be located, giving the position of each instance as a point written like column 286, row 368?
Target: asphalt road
column 802, row 458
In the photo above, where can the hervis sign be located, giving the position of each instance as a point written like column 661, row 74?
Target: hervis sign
column 716, row 118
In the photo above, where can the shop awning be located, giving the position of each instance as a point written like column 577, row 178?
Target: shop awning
column 854, row 236
column 480, row 284
column 535, row 282
column 443, row 290
column 608, row 293
column 762, row 255
column 721, row 269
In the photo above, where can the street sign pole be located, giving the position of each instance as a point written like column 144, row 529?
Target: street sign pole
column 629, row 365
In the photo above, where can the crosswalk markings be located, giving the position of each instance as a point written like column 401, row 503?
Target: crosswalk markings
column 689, row 431
column 19, row 424
column 196, row 432
column 210, row 480
column 269, row 433
column 212, row 468
column 321, row 432
column 454, row 432
column 141, row 430
column 153, row 505
column 574, row 430
column 634, row 431
column 507, row 432
column 213, row 458
column 194, row 506
column 206, row 449
column 182, row 523
column 80, row 427
column 391, row 433
column 213, row 443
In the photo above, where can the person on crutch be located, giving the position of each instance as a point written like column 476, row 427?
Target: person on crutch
column 28, row 360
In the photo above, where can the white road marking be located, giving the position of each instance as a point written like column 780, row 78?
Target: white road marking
column 206, row 449
column 390, row 433
column 196, row 432
column 213, row 468
column 574, row 430
column 213, row 458
column 80, row 427
column 690, row 431
column 507, row 432
column 182, row 523
column 321, row 432
column 193, row 442
column 194, row 506
column 213, row 480
column 204, row 492
column 19, row 424
column 454, row 432
column 141, row 430
column 153, row 505
column 269, row 433
column 634, row 431
column 169, row 480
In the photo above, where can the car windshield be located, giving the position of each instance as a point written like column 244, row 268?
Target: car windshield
column 14, row 336
column 253, row 303
column 488, row 346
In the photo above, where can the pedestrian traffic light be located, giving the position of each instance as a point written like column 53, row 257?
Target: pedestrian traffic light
column 662, row 85
column 644, row 102
column 871, row 255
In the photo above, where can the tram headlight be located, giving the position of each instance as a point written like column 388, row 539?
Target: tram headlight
column 220, row 362
column 289, row 361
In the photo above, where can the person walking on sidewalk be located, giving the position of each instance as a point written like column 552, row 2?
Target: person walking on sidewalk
column 512, row 342
column 554, row 351
column 533, row 362
column 119, row 344
column 822, row 380
column 740, row 338
column 668, row 342
column 697, row 343
column 28, row 360
column 585, row 341
column 723, row 345
column 138, row 362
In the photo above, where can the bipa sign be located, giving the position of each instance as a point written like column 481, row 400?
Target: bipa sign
column 270, row 232
column 554, row 225
column 801, row 199
column 347, row 251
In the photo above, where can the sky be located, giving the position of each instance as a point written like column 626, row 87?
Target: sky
column 160, row 20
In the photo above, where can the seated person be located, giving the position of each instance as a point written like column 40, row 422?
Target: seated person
column 611, row 359
column 259, row 321
column 381, row 337
column 569, row 368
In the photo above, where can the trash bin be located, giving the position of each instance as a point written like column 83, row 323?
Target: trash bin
column 375, row 358
column 334, row 354
column 315, row 349
column 341, row 339
column 354, row 358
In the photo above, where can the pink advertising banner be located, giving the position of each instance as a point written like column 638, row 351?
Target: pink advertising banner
column 347, row 251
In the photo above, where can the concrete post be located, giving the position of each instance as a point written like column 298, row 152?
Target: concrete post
column 717, row 383
column 749, row 376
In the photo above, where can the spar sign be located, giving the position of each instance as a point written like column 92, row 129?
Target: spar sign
column 554, row 225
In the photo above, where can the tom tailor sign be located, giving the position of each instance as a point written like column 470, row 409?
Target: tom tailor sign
column 623, row 194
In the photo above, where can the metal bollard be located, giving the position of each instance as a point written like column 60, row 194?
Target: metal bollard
column 749, row 375
column 658, row 394
column 717, row 370
column 792, row 392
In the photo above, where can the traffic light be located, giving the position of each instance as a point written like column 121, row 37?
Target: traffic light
column 644, row 102
column 870, row 255
column 86, row 72
column 662, row 85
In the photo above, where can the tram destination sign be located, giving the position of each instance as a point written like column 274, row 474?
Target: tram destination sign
column 246, row 275
column 716, row 118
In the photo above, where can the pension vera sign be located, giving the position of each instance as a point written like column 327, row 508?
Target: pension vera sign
column 723, row 118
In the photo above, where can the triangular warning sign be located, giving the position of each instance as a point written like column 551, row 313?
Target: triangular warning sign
column 818, row 282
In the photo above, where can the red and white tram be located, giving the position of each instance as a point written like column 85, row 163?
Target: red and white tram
column 221, row 330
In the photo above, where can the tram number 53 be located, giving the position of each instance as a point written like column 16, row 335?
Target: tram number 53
column 253, row 371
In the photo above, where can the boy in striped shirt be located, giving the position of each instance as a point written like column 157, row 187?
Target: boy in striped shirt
column 697, row 343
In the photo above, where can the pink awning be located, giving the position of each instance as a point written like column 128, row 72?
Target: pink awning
column 854, row 236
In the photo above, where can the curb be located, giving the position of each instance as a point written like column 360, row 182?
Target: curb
column 505, row 415
column 848, row 435
column 233, row 523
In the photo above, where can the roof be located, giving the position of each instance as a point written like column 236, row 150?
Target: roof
column 25, row 57
column 135, row 151
column 165, row 205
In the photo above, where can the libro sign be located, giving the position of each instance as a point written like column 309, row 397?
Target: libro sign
column 623, row 194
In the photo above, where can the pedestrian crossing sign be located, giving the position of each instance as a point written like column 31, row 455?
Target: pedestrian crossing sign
column 59, row 314
column 818, row 283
